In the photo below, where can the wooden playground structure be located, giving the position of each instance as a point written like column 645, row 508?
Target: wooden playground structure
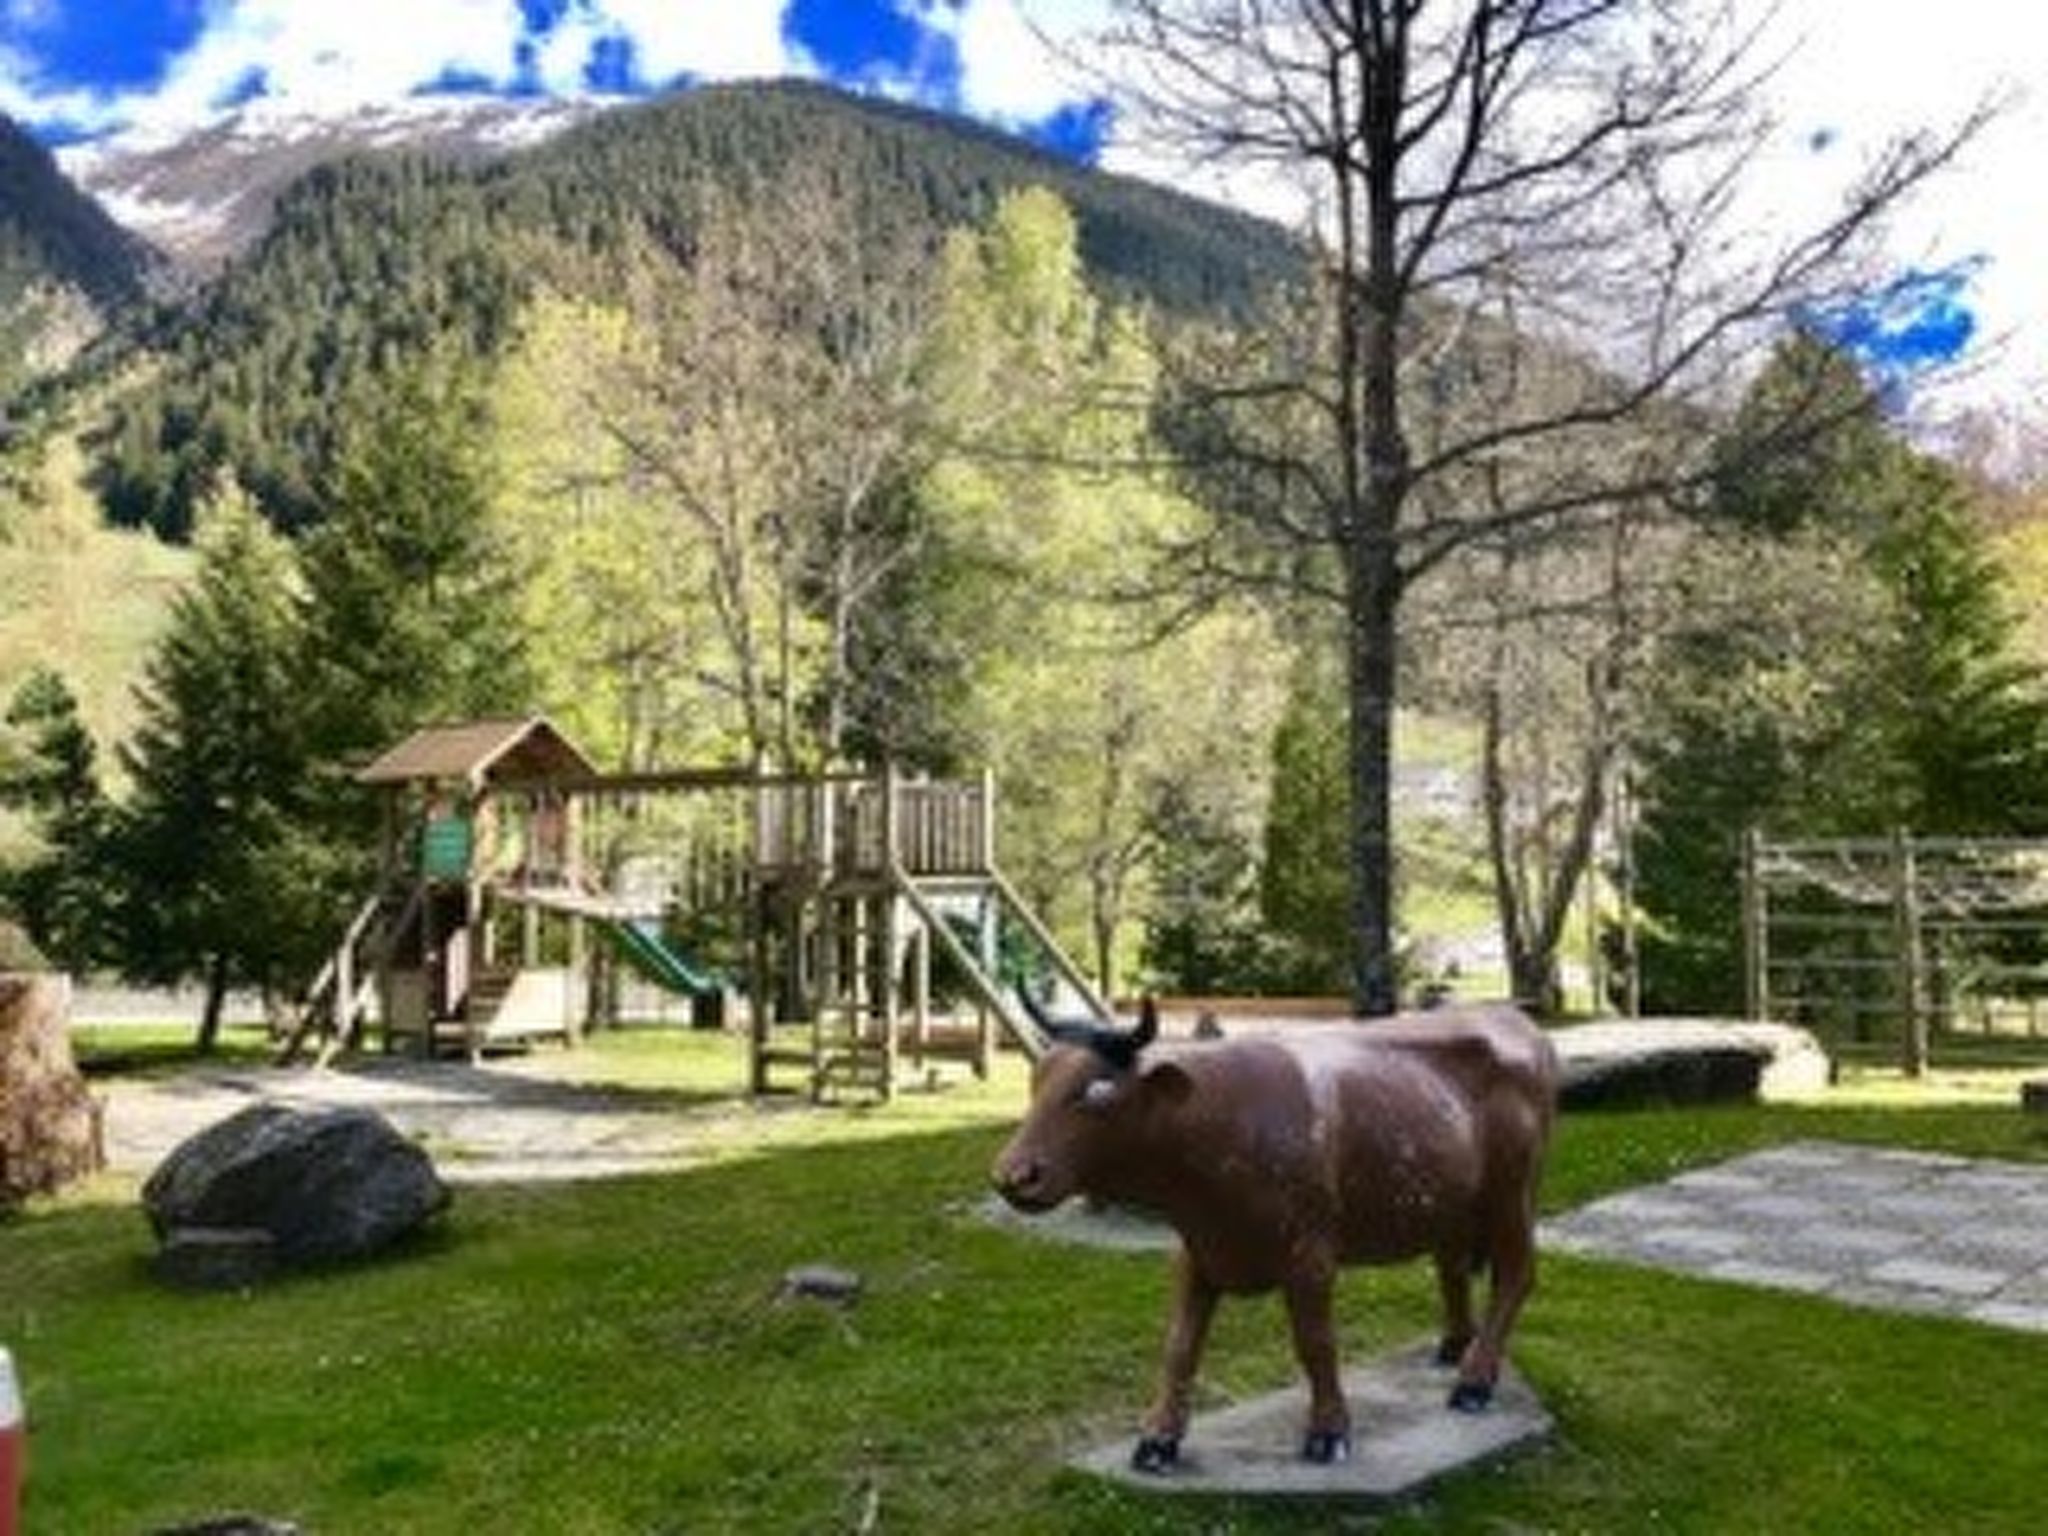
column 842, row 913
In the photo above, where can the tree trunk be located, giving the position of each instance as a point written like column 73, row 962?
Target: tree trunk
column 1533, row 911
column 216, row 999
column 1377, row 479
column 1510, row 905
column 1104, row 926
column 1375, row 989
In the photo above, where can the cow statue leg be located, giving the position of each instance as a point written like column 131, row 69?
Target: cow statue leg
column 1454, row 1265
column 1315, row 1346
column 1511, row 1251
column 1194, row 1304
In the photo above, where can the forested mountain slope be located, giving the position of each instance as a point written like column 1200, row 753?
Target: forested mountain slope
column 377, row 260
column 64, row 264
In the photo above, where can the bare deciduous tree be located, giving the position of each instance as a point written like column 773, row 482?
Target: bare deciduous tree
column 1581, row 165
column 776, row 405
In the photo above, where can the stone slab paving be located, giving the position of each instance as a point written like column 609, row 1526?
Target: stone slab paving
column 506, row 1122
column 1403, row 1438
column 1872, row 1226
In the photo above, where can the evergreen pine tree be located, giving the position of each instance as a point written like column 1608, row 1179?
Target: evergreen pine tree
column 1869, row 682
column 219, row 876
column 51, row 775
column 411, row 611
column 1304, row 881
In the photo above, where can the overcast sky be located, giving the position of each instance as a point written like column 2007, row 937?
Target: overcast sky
column 1857, row 71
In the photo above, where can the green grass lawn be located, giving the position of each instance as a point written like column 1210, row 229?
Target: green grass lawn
column 162, row 1050
column 610, row 1357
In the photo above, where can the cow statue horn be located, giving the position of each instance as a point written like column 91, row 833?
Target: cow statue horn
column 1148, row 1024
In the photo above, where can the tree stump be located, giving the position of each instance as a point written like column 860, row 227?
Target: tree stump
column 49, row 1122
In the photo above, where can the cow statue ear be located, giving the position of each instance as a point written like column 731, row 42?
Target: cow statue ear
column 1167, row 1078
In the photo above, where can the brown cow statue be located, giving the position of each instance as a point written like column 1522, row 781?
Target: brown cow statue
column 1279, row 1159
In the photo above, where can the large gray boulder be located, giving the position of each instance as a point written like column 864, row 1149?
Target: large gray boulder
column 49, row 1122
column 326, row 1185
column 1622, row 1063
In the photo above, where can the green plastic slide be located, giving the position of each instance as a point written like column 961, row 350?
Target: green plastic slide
column 641, row 943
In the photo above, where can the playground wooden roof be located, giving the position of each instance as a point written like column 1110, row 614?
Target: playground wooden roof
column 480, row 751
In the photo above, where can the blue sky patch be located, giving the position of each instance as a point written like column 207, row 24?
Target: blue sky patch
column 613, row 66
column 461, row 82
column 103, row 44
column 872, row 42
column 1920, row 320
column 253, row 84
column 1076, row 132
column 542, row 15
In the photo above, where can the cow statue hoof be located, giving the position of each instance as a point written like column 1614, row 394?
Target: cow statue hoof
column 1155, row 1454
column 1326, row 1446
column 1471, row 1396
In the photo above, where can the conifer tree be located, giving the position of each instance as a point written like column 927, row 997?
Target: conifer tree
column 49, row 771
column 411, row 605
column 1868, row 681
column 218, row 876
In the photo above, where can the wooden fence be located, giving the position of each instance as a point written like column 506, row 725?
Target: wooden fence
column 1933, row 934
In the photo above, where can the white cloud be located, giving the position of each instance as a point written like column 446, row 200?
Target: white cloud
column 713, row 39
column 562, row 54
column 26, row 102
column 1007, row 71
column 330, row 56
column 1856, row 74
column 1866, row 70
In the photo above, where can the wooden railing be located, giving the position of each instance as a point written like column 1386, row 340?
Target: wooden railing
column 867, row 826
column 337, row 1001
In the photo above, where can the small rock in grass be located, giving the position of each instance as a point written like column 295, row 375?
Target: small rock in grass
column 821, row 1282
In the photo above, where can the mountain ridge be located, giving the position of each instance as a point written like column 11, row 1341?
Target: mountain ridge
column 371, row 258
column 205, row 196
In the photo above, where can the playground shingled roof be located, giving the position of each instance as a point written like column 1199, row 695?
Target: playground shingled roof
column 510, row 749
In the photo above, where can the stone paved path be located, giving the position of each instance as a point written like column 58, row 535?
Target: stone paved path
column 509, row 1121
column 1910, row 1231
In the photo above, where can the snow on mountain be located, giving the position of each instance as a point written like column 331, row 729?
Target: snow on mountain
column 205, row 195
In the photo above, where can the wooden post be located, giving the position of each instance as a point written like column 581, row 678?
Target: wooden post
column 1756, row 961
column 921, row 989
column 1911, row 971
column 579, row 979
column 988, row 821
column 345, row 989
column 1596, row 961
column 1625, row 896
column 888, row 935
column 824, row 984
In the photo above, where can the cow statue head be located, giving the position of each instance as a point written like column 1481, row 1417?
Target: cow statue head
column 1087, row 1095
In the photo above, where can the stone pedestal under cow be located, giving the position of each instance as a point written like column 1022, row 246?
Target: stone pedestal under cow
column 1280, row 1159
